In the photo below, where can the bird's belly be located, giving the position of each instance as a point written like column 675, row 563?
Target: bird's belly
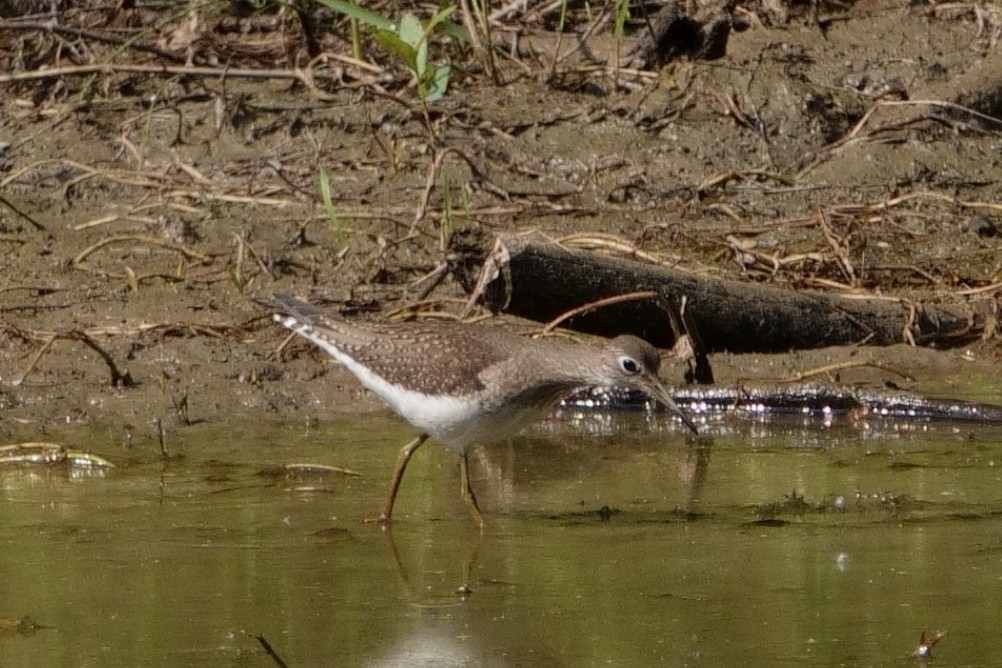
column 454, row 421
column 458, row 424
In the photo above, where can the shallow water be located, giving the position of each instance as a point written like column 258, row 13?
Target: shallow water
column 768, row 542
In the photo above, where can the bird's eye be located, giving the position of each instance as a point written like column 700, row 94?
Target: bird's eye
column 629, row 365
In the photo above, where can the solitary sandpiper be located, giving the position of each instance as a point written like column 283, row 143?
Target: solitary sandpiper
column 465, row 384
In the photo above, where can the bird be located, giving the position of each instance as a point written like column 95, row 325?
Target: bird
column 462, row 384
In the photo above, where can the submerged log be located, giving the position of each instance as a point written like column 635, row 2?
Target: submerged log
column 819, row 400
column 540, row 280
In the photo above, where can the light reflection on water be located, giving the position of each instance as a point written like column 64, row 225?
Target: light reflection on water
column 767, row 542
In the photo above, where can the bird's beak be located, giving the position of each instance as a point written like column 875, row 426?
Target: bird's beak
column 657, row 391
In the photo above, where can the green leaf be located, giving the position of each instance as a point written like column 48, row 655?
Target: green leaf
column 455, row 31
column 328, row 200
column 361, row 13
column 440, row 16
column 410, row 30
column 421, row 59
column 622, row 13
column 399, row 48
column 413, row 34
column 438, row 82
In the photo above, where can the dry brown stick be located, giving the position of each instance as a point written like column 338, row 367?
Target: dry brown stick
column 941, row 103
column 908, row 267
column 187, row 252
column 611, row 71
column 977, row 291
column 415, row 309
column 162, row 439
column 836, row 246
column 361, row 64
column 600, row 20
column 853, row 135
column 141, row 180
column 37, row 225
column 434, row 279
column 80, row 70
column 310, row 469
column 466, row 15
column 118, row 379
column 909, row 326
column 494, row 266
column 250, row 250
column 270, row 651
column 722, row 178
column 91, row 35
column 202, row 196
column 829, row 151
column 429, row 185
column 436, row 166
column 40, row 289
column 34, row 360
column 285, row 343
column 610, row 242
column 14, row 176
column 919, row 194
column 839, row 366
column 600, row 303
column 206, row 329
column 238, row 263
column 128, row 179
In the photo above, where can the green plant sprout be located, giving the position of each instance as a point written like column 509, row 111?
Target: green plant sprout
column 407, row 40
column 622, row 14
column 328, row 201
column 446, row 229
column 560, row 38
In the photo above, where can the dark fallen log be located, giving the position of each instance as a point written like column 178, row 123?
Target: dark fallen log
column 540, row 280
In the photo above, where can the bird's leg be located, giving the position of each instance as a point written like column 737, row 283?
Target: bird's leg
column 469, row 498
column 398, row 475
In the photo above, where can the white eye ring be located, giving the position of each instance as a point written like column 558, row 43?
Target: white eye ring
column 629, row 365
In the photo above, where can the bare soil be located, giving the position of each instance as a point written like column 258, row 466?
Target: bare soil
column 141, row 212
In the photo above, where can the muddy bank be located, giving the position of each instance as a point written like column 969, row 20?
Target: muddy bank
column 142, row 211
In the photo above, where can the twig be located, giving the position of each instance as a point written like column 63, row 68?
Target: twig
column 601, row 303
column 118, row 379
column 270, row 651
column 187, row 252
column 597, row 241
column 302, row 76
column 840, row 254
column 92, row 35
column 839, row 366
column 436, row 166
column 37, row 225
column 977, row 291
column 942, row 103
column 162, row 440
column 494, row 266
column 34, row 360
